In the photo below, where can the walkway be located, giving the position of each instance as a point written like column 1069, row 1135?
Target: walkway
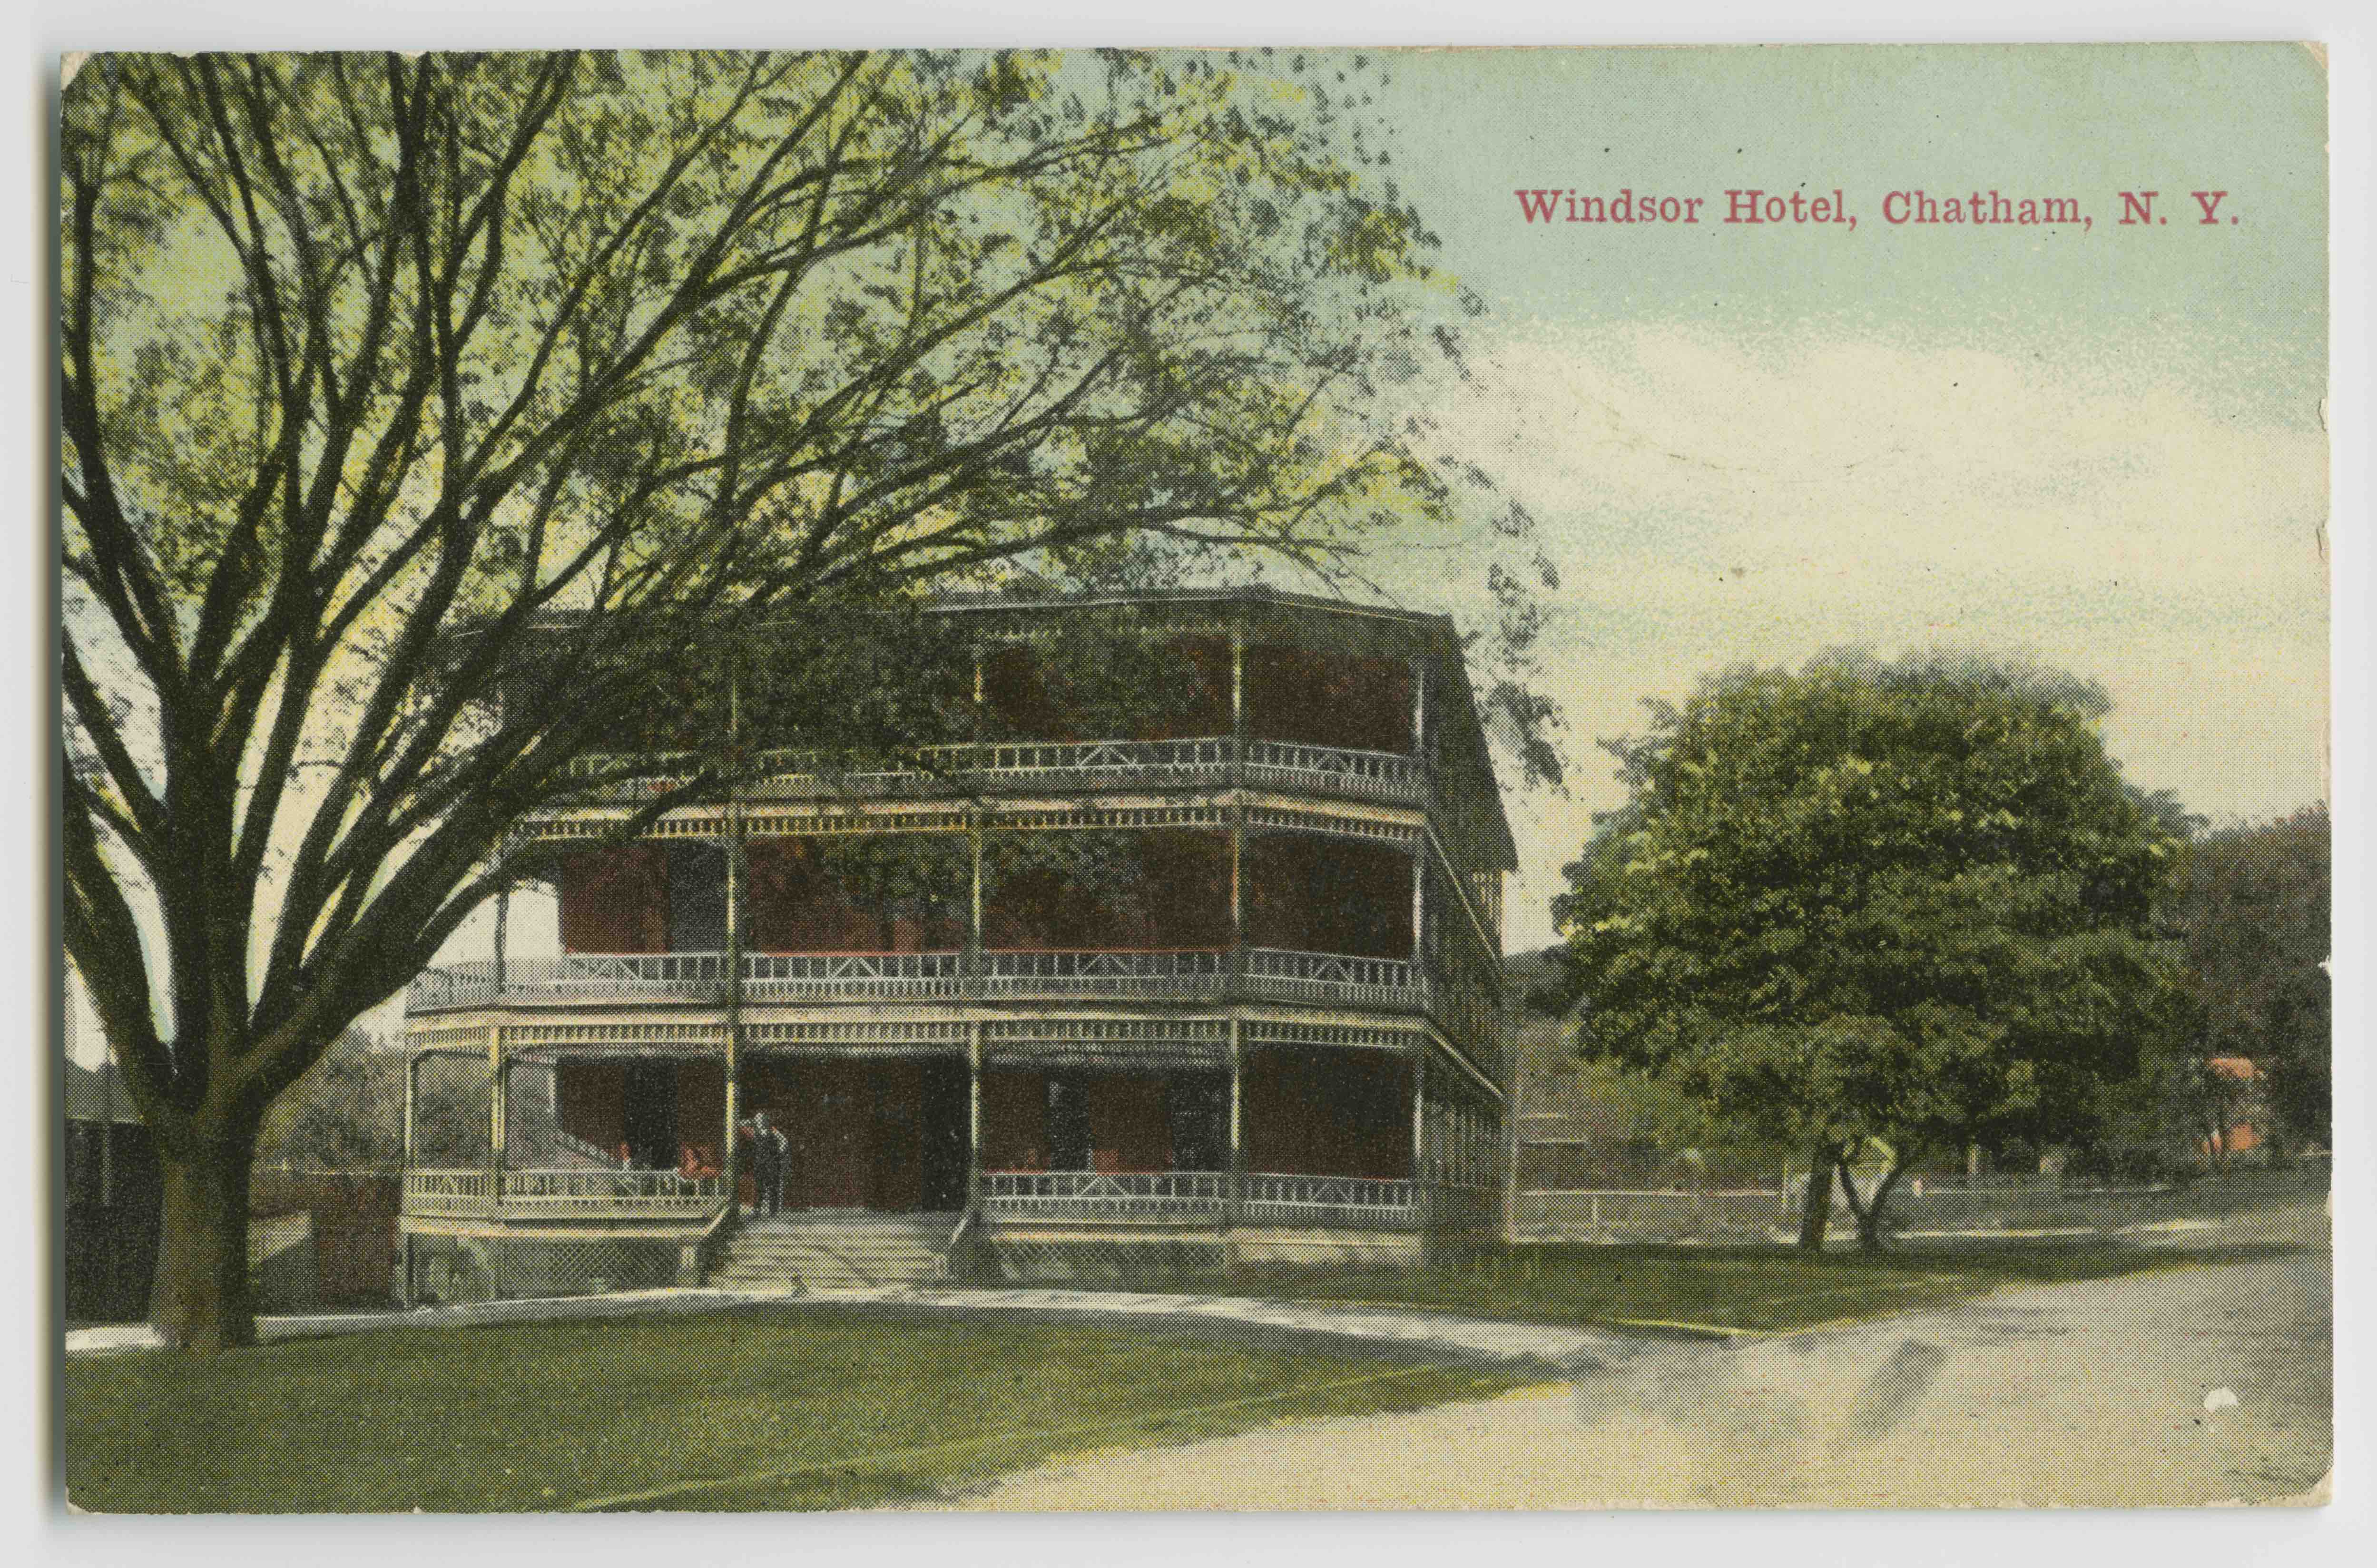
column 1554, row 1348
column 2189, row 1386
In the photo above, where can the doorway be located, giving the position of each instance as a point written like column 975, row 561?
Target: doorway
column 649, row 1114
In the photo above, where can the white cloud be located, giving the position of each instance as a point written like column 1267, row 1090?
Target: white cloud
column 1709, row 500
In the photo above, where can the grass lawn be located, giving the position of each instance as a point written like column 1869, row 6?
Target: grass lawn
column 1757, row 1289
column 782, row 1408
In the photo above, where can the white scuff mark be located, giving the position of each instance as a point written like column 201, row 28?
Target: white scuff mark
column 2220, row 1399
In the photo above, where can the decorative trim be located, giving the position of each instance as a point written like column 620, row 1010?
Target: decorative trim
column 1343, row 1037
column 1061, row 1028
column 1336, row 824
column 525, row 1036
column 866, row 1032
column 1093, row 816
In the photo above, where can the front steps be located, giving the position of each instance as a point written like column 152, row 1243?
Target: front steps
column 836, row 1250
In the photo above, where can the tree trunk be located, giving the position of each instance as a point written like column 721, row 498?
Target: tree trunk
column 200, row 1300
column 1870, row 1219
column 1816, row 1208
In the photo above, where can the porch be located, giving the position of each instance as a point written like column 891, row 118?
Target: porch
column 1201, row 1136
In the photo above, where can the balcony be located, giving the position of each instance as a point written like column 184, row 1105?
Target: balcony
column 701, row 978
column 1012, row 768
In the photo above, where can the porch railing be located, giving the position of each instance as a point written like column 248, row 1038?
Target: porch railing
column 1322, row 977
column 574, row 1190
column 1086, row 1194
column 807, row 976
column 1352, row 1202
column 578, row 976
column 1336, row 769
column 556, row 1193
column 445, row 1192
column 1188, row 974
column 1361, row 1203
column 1184, row 972
column 1006, row 764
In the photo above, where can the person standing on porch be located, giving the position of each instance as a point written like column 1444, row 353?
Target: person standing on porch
column 767, row 1151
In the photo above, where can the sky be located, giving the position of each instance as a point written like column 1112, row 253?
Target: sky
column 2102, row 447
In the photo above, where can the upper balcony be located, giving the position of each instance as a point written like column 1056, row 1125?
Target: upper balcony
column 701, row 978
column 1156, row 696
column 1013, row 767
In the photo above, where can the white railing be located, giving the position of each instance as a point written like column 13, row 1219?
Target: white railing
column 809, row 975
column 1188, row 972
column 1322, row 976
column 574, row 1190
column 1336, row 769
column 578, row 1190
column 578, row 976
column 445, row 1192
column 1086, row 1194
column 1383, row 775
column 1274, row 1199
column 1032, row 760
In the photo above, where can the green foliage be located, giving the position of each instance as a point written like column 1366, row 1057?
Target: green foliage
column 2252, row 906
column 1904, row 901
column 347, row 1113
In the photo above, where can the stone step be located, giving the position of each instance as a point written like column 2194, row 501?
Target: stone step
column 882, row 1254
column 833, row 1252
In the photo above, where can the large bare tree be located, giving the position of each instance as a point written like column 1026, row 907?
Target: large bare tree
column 395, row 386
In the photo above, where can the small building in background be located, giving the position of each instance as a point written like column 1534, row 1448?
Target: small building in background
column 113, row 1197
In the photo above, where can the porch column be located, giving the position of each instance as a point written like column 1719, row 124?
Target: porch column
column 1237, row 959
column 503, row 934
column 973, row 908
column 1513, row 1100
column 729, row 1155
column 1420, row 904
column 1420, row 1185
column 1419, row 706
column 412, row 1092
column 1235, row 1198
column 497, row 1107
column 973, row 1114
column 1238, row 699
column 1237, row 879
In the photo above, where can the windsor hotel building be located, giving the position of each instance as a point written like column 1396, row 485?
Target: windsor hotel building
column 1210, row 980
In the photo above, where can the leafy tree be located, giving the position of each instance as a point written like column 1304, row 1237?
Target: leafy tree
column 346, row 1113
column 1902, row 904
column 2251, row 908
column 394, row 386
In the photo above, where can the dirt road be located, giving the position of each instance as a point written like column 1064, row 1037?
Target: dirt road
column 2197, row 1385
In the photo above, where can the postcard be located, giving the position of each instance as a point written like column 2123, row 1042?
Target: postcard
column 1199, row 780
